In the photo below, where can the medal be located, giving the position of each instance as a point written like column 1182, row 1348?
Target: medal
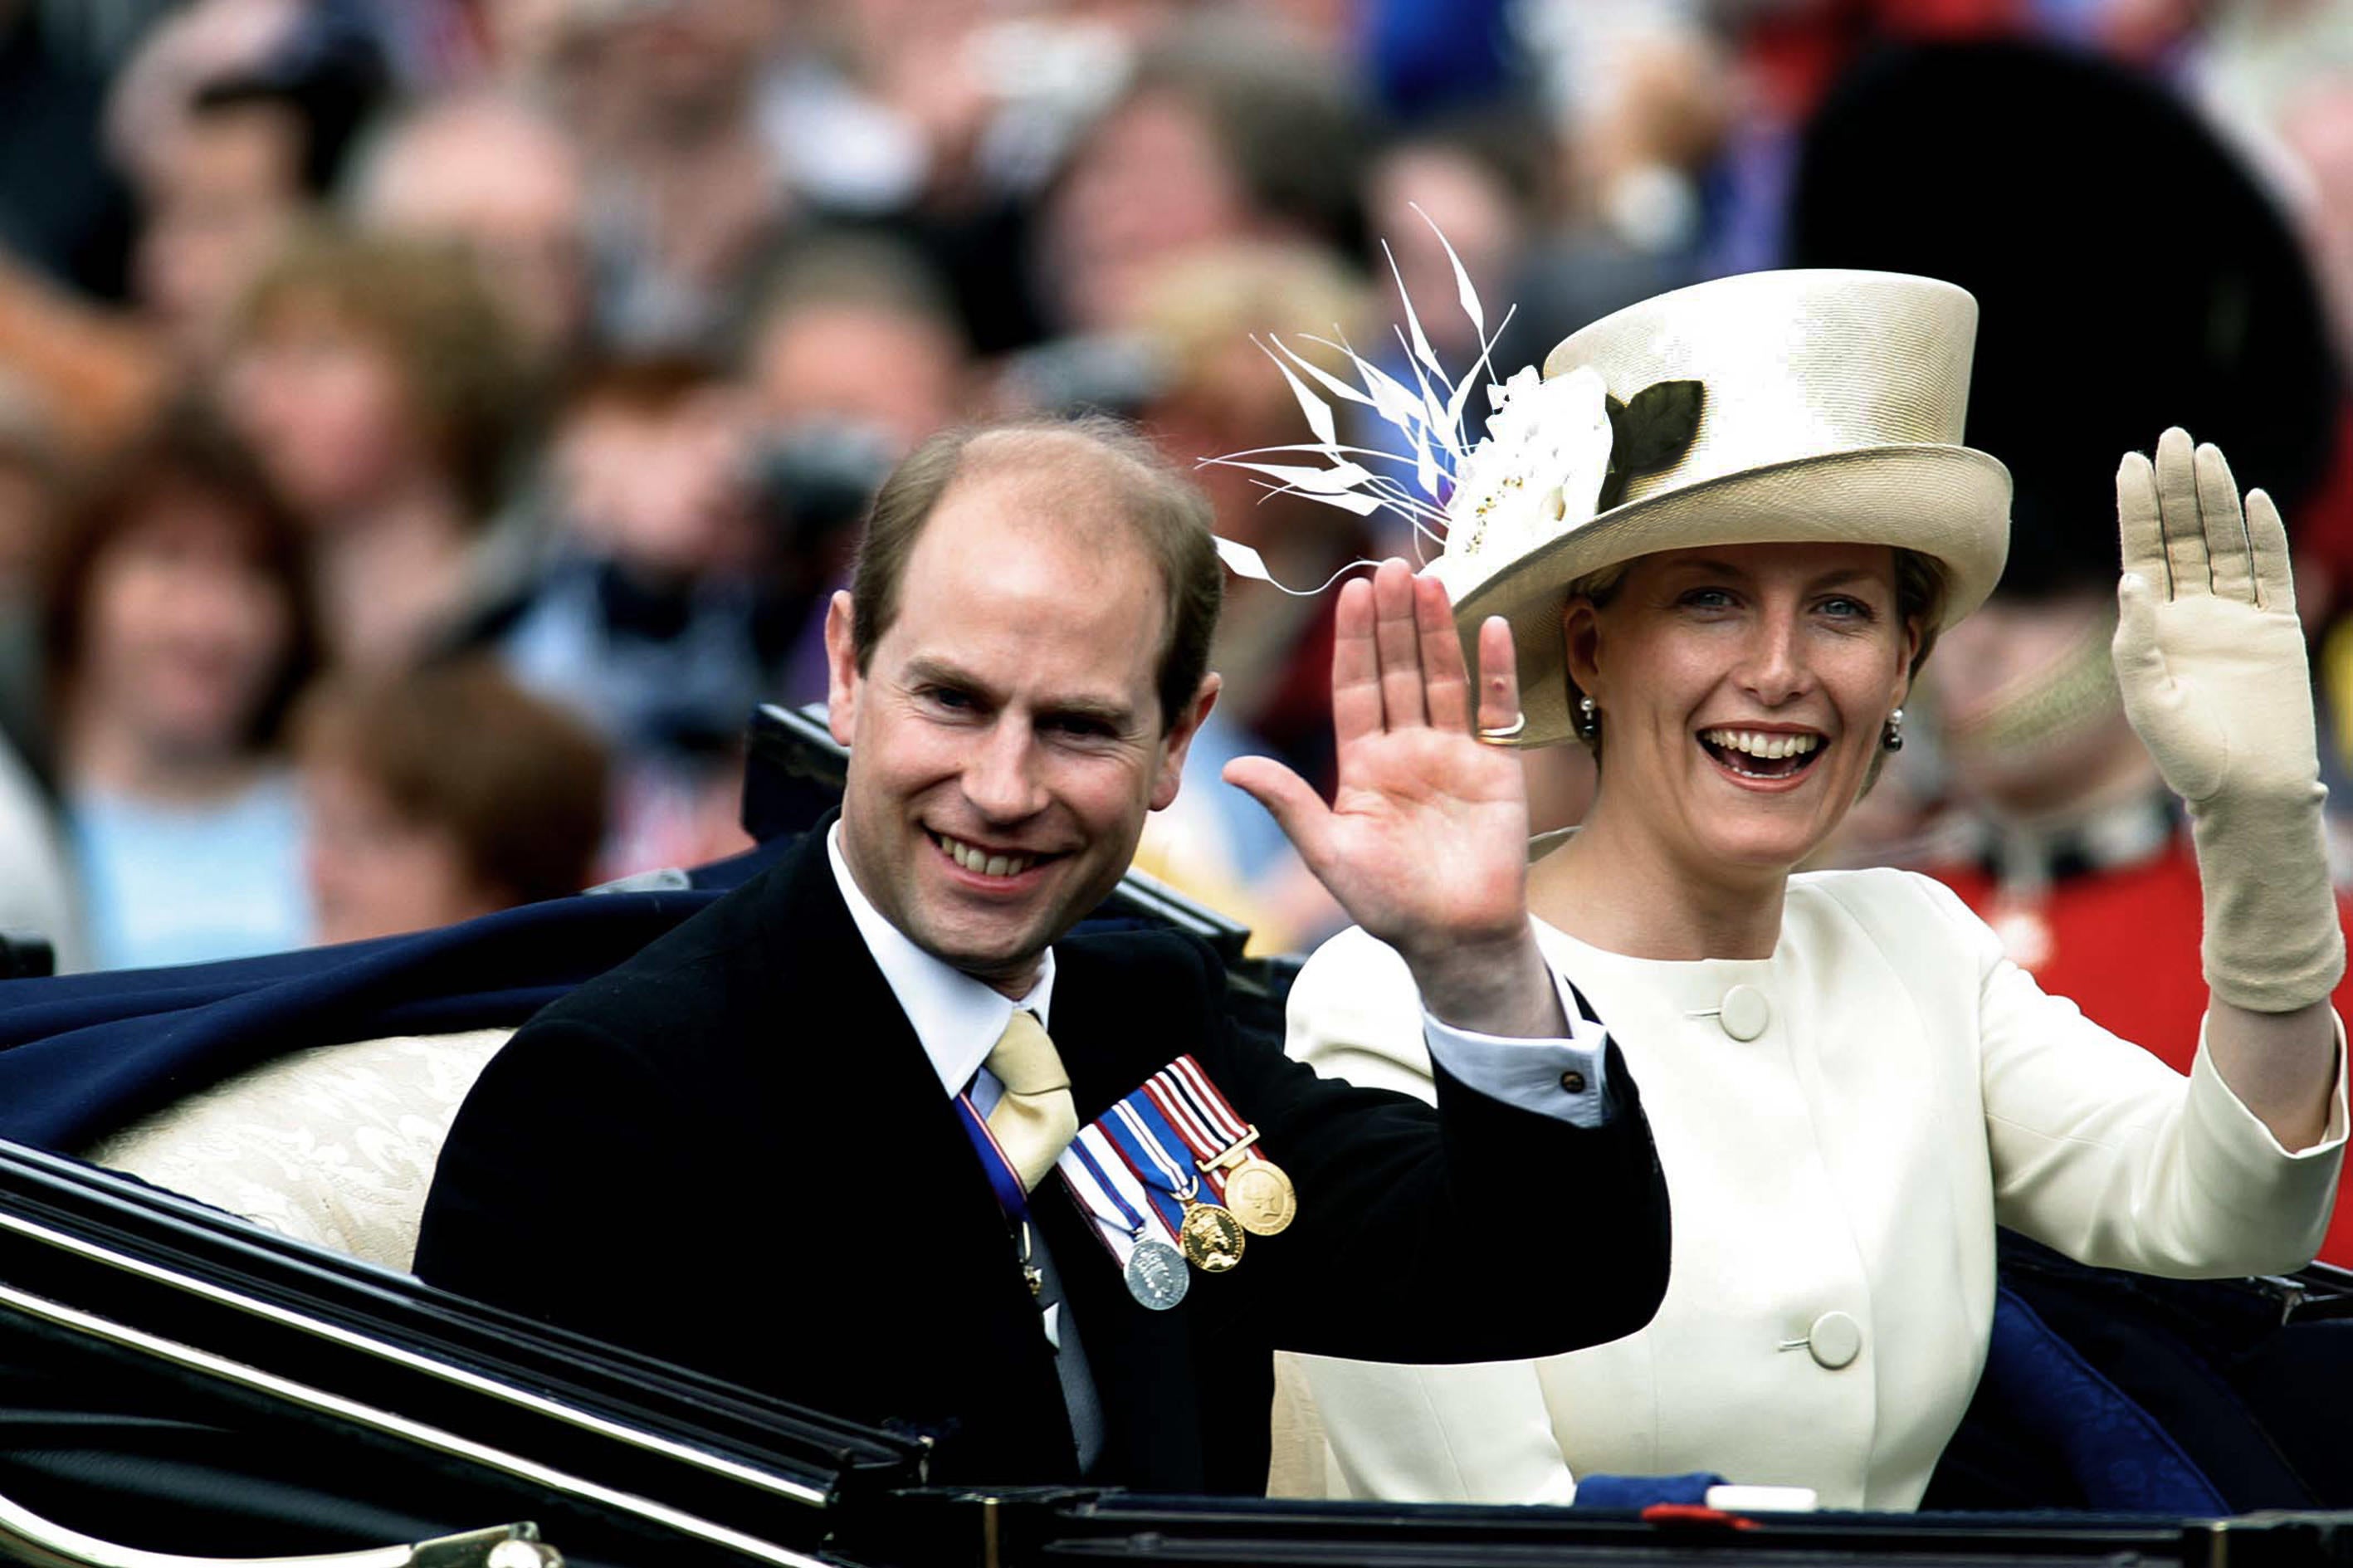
column 1258, row 1192
column 1207, row 1233
column 1211, row 1236
column 1261, row 1195
column 1155, row 1275
column 1125, row 1220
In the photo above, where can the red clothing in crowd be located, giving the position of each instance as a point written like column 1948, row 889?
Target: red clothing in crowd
column 2122, row 944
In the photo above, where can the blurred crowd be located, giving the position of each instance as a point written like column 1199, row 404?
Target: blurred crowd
column 428, row 427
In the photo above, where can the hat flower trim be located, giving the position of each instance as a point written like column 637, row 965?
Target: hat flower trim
column 1557, row 453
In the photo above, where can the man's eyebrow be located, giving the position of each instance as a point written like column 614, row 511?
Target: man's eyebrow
column 1117, row 715
column 927, row 672
column 924, row 671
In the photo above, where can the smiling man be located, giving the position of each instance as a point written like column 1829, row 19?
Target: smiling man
column 879, row 1134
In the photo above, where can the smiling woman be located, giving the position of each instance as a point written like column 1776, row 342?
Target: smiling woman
column 1850, row 1085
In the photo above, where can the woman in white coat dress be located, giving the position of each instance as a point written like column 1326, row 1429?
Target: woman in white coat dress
column 1850, row 1085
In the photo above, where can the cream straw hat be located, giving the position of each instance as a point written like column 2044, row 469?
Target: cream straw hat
column 1771, row 408
column 1830, row 408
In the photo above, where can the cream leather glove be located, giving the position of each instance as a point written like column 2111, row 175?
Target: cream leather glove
column 2211, row 658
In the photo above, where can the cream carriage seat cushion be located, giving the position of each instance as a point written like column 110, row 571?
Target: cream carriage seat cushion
column 334, row 1144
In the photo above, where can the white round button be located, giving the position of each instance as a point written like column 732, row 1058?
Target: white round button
column 1746, row 1012
column 1834, row 1340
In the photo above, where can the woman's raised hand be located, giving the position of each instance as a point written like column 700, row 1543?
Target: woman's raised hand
column 2210, row 657
column 2209, row 652
column 1425, row 842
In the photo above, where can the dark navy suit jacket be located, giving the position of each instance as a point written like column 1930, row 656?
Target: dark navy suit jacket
column 733, row 1152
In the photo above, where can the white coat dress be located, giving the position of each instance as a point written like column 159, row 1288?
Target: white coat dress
column 1842, row 1125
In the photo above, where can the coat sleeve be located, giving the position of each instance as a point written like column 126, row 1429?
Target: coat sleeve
column 1508, row 1233
column 1480, row 1432
column 2100, row 1149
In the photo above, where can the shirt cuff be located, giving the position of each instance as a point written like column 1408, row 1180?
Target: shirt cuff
column 1561, row 1078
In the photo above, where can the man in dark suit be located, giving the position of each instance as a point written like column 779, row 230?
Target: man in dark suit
column 744, row 1151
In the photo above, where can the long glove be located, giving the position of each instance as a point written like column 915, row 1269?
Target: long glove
column 2210, row 659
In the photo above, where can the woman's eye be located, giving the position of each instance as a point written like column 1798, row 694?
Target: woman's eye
column 1708, row 598
column 1844, row 609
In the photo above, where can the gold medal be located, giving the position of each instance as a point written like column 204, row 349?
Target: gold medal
column 1258, row 1191
column 1212, row 1238
column 1261, row 1195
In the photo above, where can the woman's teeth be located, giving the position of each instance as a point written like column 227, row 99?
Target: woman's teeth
column 1756, row 743
column 975, row 859
column 1753, row 754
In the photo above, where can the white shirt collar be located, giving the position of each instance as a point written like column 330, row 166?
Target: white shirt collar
column 956, row 1017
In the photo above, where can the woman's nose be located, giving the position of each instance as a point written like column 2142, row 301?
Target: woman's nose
column 1773, row 668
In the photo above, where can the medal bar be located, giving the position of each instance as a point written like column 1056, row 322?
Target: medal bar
column 1257, row 1191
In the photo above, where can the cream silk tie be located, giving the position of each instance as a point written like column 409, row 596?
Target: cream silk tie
column 1035, row 1118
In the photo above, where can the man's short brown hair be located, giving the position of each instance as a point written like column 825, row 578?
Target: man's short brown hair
column 1165, row 509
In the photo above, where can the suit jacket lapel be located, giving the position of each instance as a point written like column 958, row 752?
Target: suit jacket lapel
column 869, row 1134
column 1141, row 1361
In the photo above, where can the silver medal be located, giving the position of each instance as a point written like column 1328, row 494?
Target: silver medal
column 1156, row 1275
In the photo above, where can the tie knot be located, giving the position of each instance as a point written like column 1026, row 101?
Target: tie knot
column 1024, row 1058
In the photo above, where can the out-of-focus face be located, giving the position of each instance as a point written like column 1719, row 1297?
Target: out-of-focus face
column 322, row 404
column 817, row 365
column 373, row 872
column 184, row 631
column 661, row 491
column 1151, row 183
column 222, row 195
column 1742, row 691
column 509, row 189
column 1006, row 740
column 2027, row 704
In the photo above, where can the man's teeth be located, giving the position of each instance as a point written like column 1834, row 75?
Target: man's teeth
column 1756, row 743
column 979, row 860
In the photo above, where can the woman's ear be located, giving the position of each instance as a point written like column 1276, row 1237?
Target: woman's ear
column 1913, row 633
column 1580, row 631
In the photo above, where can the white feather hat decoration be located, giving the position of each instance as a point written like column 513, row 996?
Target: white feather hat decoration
column 1766, row 408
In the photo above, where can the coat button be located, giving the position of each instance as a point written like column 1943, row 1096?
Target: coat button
column 1834, row 1340
column 1573, row 1081
column 1746, row 1012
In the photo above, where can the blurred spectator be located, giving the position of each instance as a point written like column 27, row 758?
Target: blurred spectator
column 649, row 624
column 408, row 831
column 221, row 195
column 857, row 355
column 656, row 622
column 507, row 183
column 376, row 379
column 177, row 627
column 855, row 329
column 233, row 125
column 1230, row 130
column 686, row 196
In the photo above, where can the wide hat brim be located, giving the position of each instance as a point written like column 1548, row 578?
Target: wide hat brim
column 1948, row 502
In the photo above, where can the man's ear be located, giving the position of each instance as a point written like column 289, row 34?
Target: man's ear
column 1179, row 739
column 840, row 668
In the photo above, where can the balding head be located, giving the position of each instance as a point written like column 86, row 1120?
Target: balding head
column 1092, row 475
column 501, row 179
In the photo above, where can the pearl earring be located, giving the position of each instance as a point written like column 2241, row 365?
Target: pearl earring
column 1891, row 735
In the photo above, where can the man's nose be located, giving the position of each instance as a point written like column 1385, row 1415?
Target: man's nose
column 1000, row 778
